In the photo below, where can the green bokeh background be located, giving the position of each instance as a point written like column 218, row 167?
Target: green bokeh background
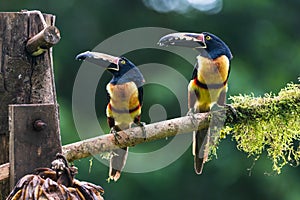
column 264, row 38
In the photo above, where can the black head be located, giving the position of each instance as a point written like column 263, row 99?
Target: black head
column 215, row 47
column 206, row 43
column 126, row 72
column 122, row 69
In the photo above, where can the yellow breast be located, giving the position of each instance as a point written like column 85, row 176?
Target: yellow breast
column 123, row 98
column 210, row 72
column 213, row 71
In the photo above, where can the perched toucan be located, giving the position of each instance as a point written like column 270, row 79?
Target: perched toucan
column 125, row 94
column 208, row 85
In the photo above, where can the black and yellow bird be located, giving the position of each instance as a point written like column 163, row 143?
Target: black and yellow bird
column 208, row 85
column 125, row 93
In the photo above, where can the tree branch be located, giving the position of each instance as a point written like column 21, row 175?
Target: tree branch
column 270, row 124
column 129, row 137
column 42, row 41
column 281, row 112
column 134, row 136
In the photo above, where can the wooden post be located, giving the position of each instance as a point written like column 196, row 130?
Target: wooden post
column 34, row 138
column 23, row 79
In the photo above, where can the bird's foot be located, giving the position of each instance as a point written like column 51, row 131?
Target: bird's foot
column 114, row 130
column 232, row 111
column 228, row 107
column 216, row 107
column 142, row 125
column 191, row 113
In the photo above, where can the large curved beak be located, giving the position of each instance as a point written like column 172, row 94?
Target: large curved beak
column 192, row 40
column 101, row 59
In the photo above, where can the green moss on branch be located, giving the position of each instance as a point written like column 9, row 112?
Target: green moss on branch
column 270, row 123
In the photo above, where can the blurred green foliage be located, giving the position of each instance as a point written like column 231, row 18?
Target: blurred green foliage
column 264, row 39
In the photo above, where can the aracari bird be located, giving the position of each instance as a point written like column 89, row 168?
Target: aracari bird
column 125, row 93
column 208, row 85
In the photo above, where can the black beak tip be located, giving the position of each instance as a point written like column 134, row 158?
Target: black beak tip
column 160, row 43
column 79, row 57
column 167, row 40
column 82, row 56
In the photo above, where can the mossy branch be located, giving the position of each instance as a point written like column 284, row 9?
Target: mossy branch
column 270, row 123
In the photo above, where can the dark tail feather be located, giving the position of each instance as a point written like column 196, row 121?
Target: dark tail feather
column 117, row 163
column 200, row 150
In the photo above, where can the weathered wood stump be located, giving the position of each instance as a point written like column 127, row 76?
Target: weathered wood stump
column 23, row 79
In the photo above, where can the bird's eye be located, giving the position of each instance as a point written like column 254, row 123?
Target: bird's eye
column 207, row 37
column 123, row 62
